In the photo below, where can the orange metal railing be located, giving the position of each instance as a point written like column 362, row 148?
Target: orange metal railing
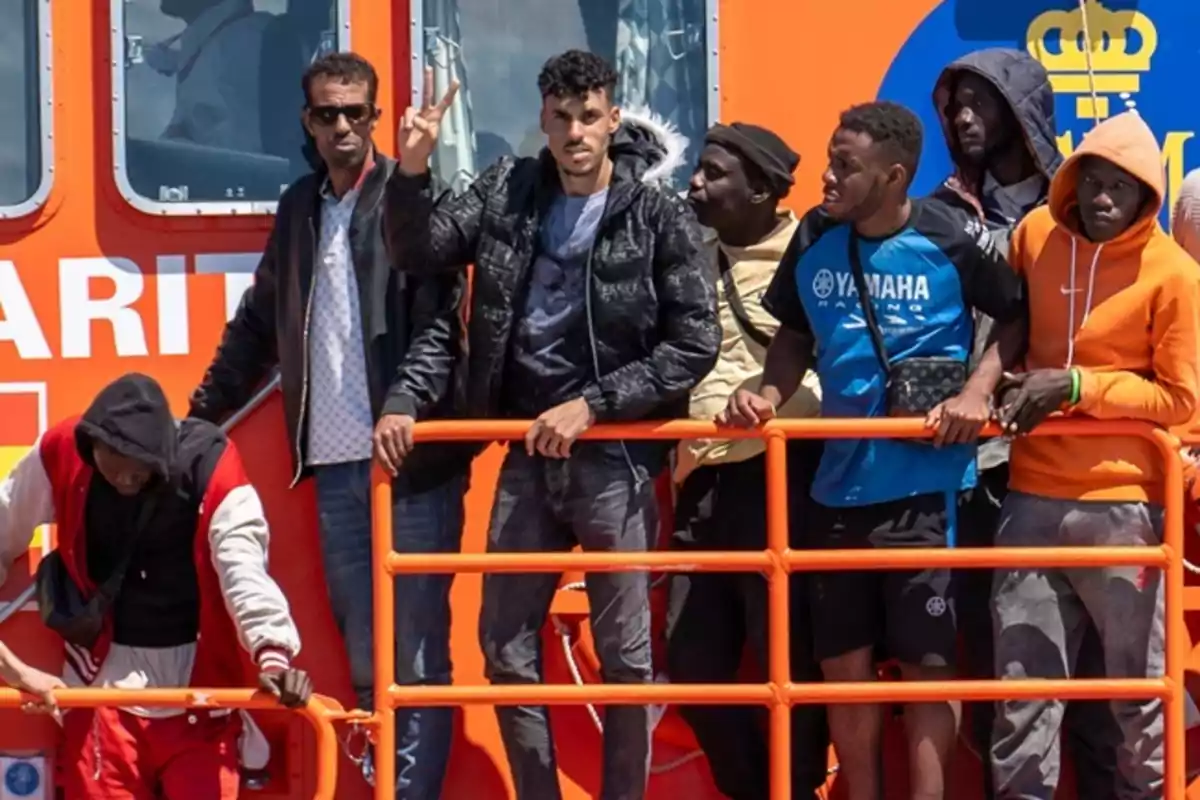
column 776, row 562
column 319, row 712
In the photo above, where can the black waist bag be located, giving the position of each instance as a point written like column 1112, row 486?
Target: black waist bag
column 914, row 385
column 63, row 608
column 61, row 603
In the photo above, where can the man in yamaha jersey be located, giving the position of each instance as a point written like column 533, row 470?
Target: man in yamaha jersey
column 927, row 267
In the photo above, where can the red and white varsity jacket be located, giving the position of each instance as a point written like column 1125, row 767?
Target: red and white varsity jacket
column 239, row 601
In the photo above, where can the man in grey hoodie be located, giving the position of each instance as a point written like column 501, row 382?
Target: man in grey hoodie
column 997, row 113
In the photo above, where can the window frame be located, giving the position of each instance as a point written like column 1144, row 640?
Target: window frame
column 224, row 208
column 45, row 117
column 712, row 65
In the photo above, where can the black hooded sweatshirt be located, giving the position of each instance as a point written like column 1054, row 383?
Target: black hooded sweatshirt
column 1024, row 85
column 158, row 604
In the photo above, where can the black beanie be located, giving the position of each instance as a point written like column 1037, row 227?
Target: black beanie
column 762, row 148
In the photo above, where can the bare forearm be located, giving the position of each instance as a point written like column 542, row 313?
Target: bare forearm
column 12, row 669
column 1009, row 341
column 788, row 359
column 988, row 373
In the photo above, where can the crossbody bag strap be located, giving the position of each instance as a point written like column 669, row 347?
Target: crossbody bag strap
column 868, row 308
column 756, row 334
column 112, row 584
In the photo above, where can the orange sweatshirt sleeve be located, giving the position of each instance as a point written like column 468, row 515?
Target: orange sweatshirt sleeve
column 1018, row 247
column 1170, row 397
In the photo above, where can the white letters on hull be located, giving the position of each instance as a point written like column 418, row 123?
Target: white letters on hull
column 101, row 291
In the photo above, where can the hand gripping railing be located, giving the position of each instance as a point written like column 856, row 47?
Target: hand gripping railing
column 318, row 712
column 321, row 712
column 776, row 562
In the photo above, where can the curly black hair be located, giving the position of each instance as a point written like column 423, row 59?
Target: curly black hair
column 343, row 68
column 576, row 73
column 892, row 126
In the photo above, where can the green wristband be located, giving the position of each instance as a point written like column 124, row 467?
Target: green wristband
column 1076, row 385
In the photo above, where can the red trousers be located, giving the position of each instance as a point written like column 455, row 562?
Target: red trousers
column 109, row 754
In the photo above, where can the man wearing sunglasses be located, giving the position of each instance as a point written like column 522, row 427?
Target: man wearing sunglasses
column 363, row 352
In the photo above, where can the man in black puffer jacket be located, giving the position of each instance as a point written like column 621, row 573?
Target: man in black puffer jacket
column 594, row 300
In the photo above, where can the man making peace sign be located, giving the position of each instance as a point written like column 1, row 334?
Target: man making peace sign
column 593, row 300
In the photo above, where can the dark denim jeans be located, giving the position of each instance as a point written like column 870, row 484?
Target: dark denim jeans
column 605, row 503
column 713, row 616
column 431, row 522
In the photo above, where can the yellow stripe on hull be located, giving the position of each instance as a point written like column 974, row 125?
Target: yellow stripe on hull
column 9, row 456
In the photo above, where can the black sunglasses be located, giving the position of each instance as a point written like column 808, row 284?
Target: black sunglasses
column 354, row 113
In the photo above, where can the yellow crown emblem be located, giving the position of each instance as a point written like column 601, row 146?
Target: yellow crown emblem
column 1122, row 43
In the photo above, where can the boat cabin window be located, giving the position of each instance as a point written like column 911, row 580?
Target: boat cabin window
column 25, row 106
column 662, row 51
column 207, row 99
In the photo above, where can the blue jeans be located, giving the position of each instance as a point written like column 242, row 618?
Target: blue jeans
column 431, row 522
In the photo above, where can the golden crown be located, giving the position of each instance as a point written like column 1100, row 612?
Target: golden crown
column 1110, row 35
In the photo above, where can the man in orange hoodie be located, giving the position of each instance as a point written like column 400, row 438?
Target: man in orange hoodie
column 997, row 111
column 1113, row 334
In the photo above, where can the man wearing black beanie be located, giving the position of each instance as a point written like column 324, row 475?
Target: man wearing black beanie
column 744, row 172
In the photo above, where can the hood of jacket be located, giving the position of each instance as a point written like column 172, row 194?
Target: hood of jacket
column 132, row 416
column 1025, row 86
column 647, row 147
column 1127, row 141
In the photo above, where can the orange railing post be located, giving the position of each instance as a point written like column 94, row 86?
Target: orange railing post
column 776, row 563
column 779, row 670
column 1176, row 631
column 316, row 712
column 384, row 619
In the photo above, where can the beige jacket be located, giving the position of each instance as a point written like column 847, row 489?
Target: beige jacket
column 741, row 361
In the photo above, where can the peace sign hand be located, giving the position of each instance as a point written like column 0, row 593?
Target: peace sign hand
column 418, row 133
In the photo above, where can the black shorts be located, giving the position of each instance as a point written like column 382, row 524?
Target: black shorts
column 910, row 615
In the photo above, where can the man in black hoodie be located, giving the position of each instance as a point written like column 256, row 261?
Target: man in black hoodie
column 160, row 571
column 997, row 113
column 593, row 301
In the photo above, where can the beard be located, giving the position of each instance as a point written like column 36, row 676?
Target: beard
column 344, row 159
column 870, row 203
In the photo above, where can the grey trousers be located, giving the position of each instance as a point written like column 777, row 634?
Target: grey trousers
column 1039, row 619
column 597, row 500
column 1090, row 733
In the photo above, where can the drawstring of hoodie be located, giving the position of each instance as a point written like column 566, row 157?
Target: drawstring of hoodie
column 1087, row 307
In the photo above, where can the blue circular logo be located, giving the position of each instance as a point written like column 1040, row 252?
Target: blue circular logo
column 1143, row 57
column 22, row 779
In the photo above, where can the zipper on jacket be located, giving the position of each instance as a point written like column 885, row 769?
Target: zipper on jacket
column 302, row 421
column 591, row 326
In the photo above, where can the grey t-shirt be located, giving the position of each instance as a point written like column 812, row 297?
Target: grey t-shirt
column 550, row 350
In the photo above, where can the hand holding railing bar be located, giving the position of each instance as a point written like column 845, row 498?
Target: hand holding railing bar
column 776, row 562
column 316, row 711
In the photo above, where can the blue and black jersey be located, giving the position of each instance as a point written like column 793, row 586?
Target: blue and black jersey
column 924, row 280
